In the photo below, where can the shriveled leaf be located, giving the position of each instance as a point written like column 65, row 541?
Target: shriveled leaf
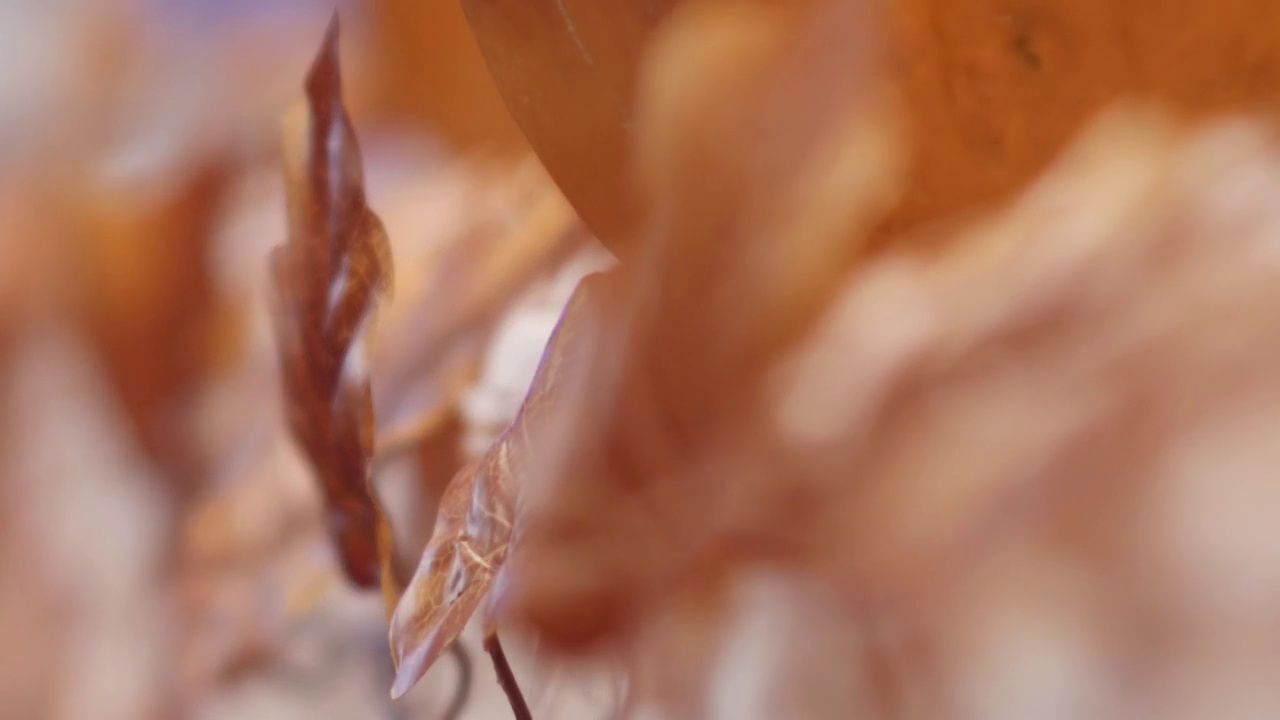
column 477, row 513
column 567, row 71
column 329, row 279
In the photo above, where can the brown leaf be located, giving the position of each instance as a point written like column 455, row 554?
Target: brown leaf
column 145, row 247
column 1104, row 340
column 477, row 512
column 467, row 289
column 993, row 91
column 764, row 161
column 429, row 70
column 567, row 71
column 329, row 279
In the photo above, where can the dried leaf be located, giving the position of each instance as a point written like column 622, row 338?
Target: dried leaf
column 519, row 229
column 472, row 533
column 765, row 162
column 429, row 70
column 467, row 289
column 84, row 542
column 329, row 279
column 994, row 91
column 567, row 71
column 147, row 285
column 1111, row 333
column 32, row 260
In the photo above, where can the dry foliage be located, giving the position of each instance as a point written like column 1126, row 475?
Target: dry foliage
column 468, row 288
column 427, row 69
column 470, row 543
column 754, row 226
column 757, row 393
column 150, row 250
column 567, row 71
column 993, row 91
column 329, row 279
column 917, row 389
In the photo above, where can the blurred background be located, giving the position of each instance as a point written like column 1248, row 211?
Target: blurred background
column 163, row 550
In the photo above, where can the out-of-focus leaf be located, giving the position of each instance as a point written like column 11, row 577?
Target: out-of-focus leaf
column 993, row 91
column 84, row 545
column 33, row 261
column 439, row 458
column 329, row 279
column 145, row 248
column 465, row 293
column 477, row 512
column 567, row 71
column 518, row 230
column 429, row 70
column 764, row 162
column 1104, row 341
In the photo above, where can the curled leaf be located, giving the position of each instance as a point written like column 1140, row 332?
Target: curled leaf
column 329, row 279
column 477, row 513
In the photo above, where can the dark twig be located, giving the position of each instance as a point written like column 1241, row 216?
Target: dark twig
column 463, row 694
column 506, row 678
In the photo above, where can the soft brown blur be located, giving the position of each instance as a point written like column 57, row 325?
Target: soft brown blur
column 924, row 368
column 164, row 552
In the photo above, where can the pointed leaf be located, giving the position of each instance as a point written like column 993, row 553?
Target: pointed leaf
column 329, row 279
column 474, row 527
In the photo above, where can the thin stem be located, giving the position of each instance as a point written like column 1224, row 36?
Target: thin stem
column 463, row 693
column 506, row 678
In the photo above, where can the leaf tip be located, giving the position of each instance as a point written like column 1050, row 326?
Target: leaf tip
column 409, row 670
column 324, row 78
column 331, row 31
column 403, row 682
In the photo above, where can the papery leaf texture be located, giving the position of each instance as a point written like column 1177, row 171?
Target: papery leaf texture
column 329, row 279
column 474, row 527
